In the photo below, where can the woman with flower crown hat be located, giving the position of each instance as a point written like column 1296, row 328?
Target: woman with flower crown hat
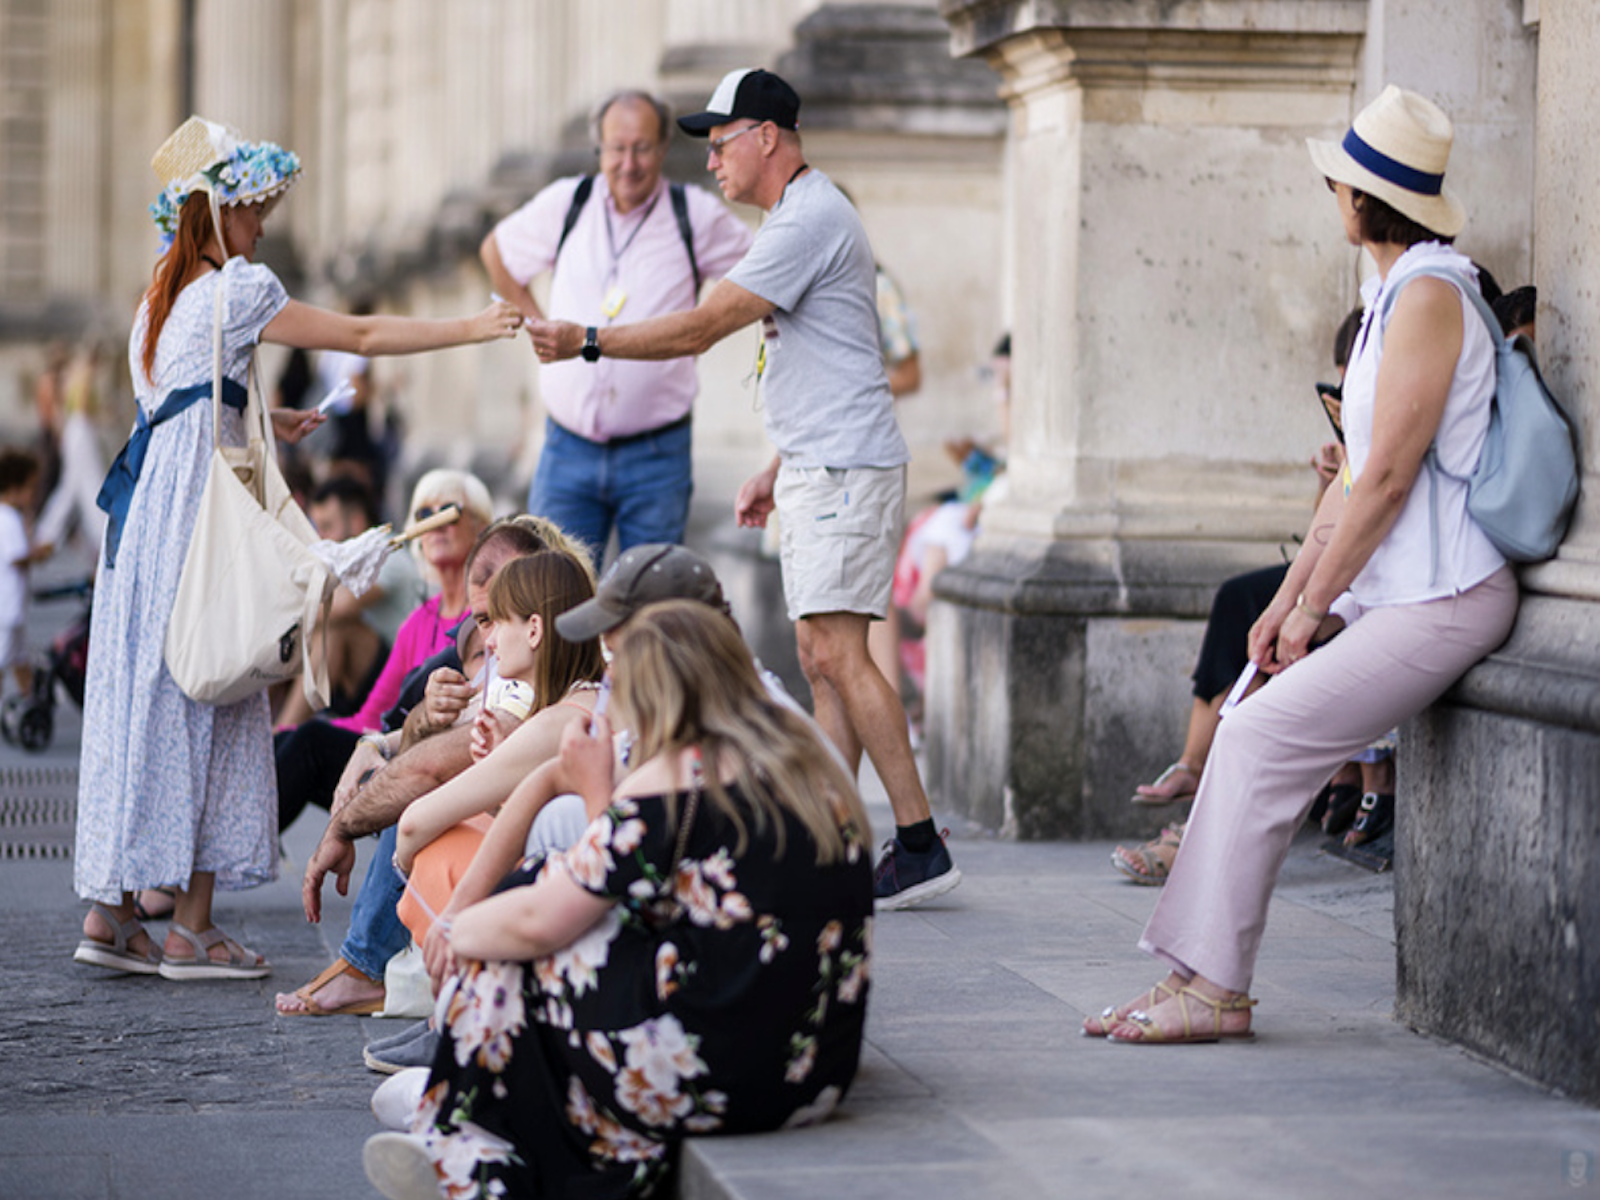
column 173, row 793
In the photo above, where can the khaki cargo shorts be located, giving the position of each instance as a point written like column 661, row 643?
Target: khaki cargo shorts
column 838, row 533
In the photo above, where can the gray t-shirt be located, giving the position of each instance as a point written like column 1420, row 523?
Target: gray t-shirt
column 823, row 386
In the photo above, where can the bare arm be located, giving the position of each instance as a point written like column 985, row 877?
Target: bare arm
column 727, row 307
column 1422, row 344
column 504, row 284
column 527, row 923
column 312, row 328
column 484, row 785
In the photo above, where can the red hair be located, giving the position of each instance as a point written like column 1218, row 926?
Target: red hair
column 173, row 269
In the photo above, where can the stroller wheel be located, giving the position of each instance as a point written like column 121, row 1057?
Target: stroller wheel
column 35, row 726
column 11, row 716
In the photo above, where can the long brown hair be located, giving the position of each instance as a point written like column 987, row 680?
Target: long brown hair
column 173, row 270
column 685, row 678
column 546, row 585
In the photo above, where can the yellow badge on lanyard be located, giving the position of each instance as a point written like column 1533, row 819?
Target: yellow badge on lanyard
column 616, row 296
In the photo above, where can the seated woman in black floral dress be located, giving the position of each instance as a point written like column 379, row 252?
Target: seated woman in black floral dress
column 696, row 964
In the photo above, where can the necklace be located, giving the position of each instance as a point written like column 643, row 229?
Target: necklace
column 214, row 263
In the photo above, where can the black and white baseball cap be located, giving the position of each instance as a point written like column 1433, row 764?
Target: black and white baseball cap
column 748, row 94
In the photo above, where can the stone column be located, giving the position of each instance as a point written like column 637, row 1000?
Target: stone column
column 1497, row 887
column 1177, row 278
column 77, row 217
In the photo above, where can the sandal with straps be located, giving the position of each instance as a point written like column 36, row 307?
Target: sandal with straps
column 356, row 1008
column 116, row 954
column 1150, row 864
column 240, row 963
column 1150, row 795
column 1151, row 1034
column 1109, row 1016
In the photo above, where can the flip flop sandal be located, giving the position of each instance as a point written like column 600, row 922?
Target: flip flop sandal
column 356, row 1008
column 1109, row 1016
column 1145, row 798
column 115, row 954
column 240, row 963
column 1155, row 857
column 1150, row 1033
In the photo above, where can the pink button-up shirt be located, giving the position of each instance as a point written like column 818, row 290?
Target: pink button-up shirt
column 641, row 258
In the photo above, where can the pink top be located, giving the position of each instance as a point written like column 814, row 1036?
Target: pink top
column 641, row 259
column 420, row 636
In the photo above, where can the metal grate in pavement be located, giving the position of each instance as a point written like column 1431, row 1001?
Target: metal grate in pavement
column 38, row 807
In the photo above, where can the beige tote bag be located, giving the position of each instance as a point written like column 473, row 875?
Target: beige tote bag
column 252, row 596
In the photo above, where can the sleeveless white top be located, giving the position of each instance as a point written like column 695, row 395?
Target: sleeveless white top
column 1403, row 569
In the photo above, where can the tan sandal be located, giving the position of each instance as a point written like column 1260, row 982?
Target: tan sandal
column 356, row 1008
column 1150, row 1033
column 1111, row 1015
column 240, row 963
column 1150, row 864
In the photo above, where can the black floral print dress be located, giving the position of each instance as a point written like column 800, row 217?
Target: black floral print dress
column 578, row 1074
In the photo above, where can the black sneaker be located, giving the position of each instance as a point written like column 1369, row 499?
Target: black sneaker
column 417, row 1052
column 904, row 879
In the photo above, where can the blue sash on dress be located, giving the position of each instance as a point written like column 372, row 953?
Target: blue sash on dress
column 116, row 493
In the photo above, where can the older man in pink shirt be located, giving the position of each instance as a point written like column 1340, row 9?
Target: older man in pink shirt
column 622, row 245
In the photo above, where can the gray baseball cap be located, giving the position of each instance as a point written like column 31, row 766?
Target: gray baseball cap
column 640, row 576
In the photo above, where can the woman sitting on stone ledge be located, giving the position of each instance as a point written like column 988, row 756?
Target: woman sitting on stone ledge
column 1435, row 594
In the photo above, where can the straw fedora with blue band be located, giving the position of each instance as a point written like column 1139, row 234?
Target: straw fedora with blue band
column 1396, row 150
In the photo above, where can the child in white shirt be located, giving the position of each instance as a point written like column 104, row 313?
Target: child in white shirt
column 19, row 473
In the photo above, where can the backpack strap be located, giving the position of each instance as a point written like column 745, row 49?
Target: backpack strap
column 1431, row 458
column 680, row 209
column 580, row 197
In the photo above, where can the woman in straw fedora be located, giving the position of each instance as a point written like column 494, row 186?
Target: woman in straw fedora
column 173, row 793
column 1433, row 599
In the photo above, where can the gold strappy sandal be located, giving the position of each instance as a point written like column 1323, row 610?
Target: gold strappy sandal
column 1150, row 1033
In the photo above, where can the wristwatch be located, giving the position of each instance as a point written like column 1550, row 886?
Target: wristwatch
column 591, row 345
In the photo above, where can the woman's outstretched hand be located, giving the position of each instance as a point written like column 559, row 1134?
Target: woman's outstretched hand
column 502, row 319
column 292, row 424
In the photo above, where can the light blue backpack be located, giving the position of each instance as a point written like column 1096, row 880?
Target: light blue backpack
column 1523, row 491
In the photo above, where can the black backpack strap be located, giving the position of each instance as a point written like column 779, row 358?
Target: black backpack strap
column 580, row 197
column 680, row 209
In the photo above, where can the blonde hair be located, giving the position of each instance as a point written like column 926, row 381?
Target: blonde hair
column 545, row 585
column 446, row 485
column 685, row 678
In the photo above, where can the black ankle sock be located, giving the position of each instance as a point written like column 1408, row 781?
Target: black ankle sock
column 918, row 838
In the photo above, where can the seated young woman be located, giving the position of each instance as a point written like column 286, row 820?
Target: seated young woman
column 559, row 681
column 696, row 963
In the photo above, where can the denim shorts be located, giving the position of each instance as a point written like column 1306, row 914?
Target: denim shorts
column 839, row 530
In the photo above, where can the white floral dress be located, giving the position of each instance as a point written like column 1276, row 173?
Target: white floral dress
column 167, row 786
column 579, row 1074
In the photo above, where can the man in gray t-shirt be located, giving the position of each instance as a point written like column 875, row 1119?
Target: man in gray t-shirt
column 838, row 481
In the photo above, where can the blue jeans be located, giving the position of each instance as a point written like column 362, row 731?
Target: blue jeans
column 376, row 931
column 641, row 486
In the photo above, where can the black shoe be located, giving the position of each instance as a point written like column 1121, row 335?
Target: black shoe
column 1344, row 800
column 1375, row 818
column 905, row 879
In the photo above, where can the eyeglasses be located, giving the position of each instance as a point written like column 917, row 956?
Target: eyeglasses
column 428, row 510
column 637, row 150
column 715, row 145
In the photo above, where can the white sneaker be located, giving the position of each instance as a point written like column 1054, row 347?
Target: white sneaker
column 399, row 1167
column 398, row 1097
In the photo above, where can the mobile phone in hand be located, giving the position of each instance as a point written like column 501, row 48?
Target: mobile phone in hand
column 1332, row 397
